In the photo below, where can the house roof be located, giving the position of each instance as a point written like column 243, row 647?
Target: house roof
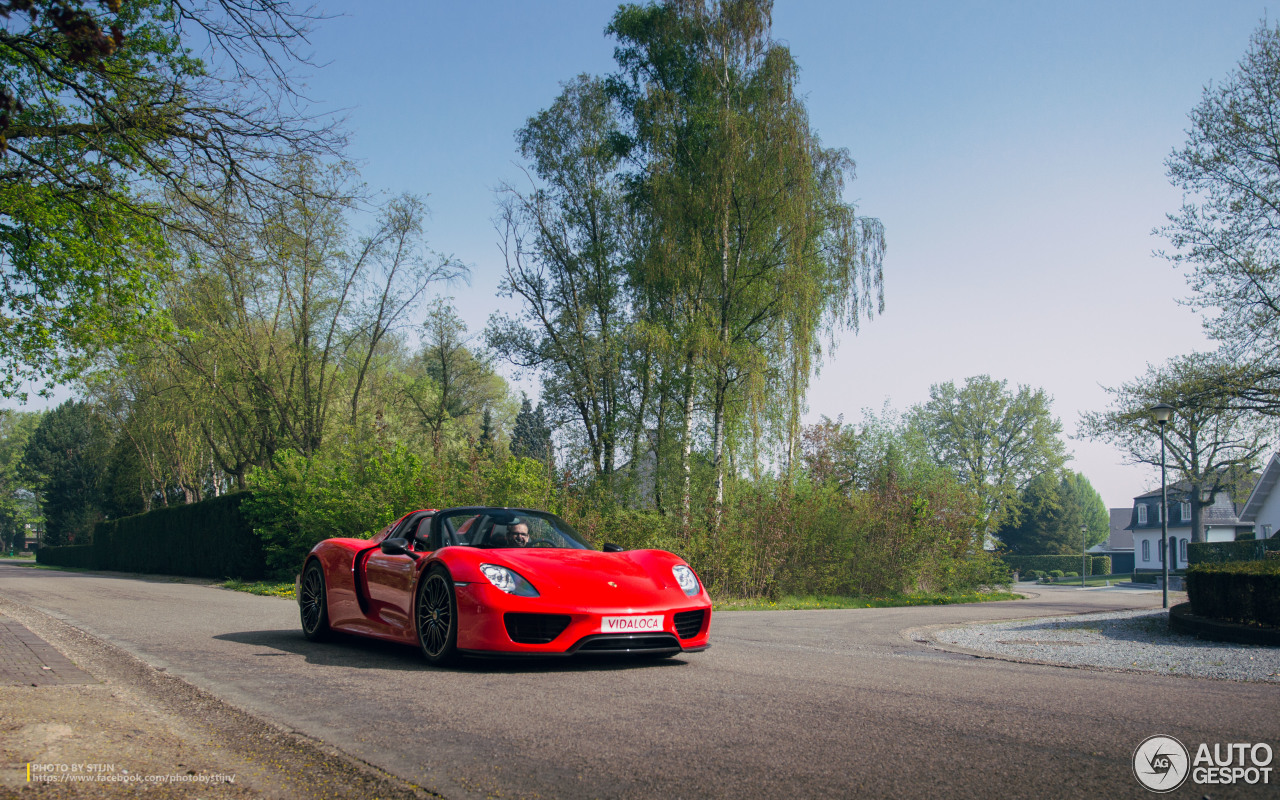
column 1223, row 511
column 1121, row 538
column 1261, row 490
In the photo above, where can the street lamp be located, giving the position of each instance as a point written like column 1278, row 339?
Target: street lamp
column 1163, row 412
column 1084, row 554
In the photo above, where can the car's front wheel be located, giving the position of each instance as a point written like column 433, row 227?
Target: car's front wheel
column 312, row 603
column 437, row 617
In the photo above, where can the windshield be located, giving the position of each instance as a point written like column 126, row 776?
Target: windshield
column 507, row 527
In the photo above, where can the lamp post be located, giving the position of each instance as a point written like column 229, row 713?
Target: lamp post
column 1084, row 554
column 1163, row 412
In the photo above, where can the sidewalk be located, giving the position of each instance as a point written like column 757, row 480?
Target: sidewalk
column 80, row 718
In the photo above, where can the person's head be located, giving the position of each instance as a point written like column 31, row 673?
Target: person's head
column 518, row 533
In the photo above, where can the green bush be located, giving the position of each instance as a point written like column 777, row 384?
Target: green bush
column 1055, row 573
column 1071, row 574
column 72, row 555
column 1223, row 552
column 1243, row 591
column 1096, row 565
column 209, row 539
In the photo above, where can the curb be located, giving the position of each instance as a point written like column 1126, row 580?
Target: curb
column 1182, row 620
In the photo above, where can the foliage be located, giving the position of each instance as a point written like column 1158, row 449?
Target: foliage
column 996, row 441
column 18, row 496
column 450, row 381
column 799, row 603
column 531, row 437
column 752, row 252
column 1225, row 232
column 1241, row 591
column 350, row 492
column 1239, row 550
column 209, row 540
column 1213, row 449
column 1049, row 514
column 66, row 460
column 566, row 246
column 1034, row 565
column 261, row 588
column 107, row 116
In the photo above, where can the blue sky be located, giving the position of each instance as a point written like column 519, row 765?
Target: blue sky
column 1014, row 152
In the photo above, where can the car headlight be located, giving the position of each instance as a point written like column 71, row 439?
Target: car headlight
column 508, row 581
column 687, row 580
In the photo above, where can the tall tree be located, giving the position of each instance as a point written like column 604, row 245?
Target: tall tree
column 18, row 506
column 1225, row 234
column 1214, row 449
column 450, row 380
column 1049, row 513
column 283, row 311
column 754, row 252
column 109, row 113
column 531, row 437
column 566, row 243
column 67, row 457
column 994, row 439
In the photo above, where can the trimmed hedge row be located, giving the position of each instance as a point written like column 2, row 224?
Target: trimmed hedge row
column 1098, row 565
column 1224, row 552
column 72, row 555
column 209, row 539
column 1243, row 591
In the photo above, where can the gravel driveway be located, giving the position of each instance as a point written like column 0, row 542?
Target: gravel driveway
column 1135, row 641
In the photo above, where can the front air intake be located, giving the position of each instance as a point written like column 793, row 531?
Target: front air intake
column 535, row 628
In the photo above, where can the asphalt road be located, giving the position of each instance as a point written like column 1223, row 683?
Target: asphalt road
column 792, row 704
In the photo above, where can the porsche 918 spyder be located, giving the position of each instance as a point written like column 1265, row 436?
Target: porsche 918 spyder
column 501, row 582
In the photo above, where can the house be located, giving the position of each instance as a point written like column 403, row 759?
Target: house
column 1222, row 523
column 1262, row 509
column 1119, row 543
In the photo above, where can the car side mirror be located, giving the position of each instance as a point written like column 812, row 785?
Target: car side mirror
column 613, row 548
column 398, row 547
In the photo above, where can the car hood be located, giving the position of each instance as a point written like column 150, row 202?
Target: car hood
column 633, row 575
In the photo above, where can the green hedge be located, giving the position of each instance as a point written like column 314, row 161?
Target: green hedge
column 1224, row 552
column 1242, row 591
column 1098, row 565
column 72, row 555
column 209, row 539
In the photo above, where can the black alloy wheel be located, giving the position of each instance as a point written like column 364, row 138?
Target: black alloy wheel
column 437, row 617
column 311, row 601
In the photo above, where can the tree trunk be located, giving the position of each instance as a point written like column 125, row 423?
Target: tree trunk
column 686, row 451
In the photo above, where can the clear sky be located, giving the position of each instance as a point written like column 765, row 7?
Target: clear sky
column 1014, row 152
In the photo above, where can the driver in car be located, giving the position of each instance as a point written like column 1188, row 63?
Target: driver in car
column 518, row 534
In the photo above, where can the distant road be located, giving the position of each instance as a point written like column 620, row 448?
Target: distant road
column 798, row 704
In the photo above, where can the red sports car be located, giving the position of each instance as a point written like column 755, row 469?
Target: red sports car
column 501, row 582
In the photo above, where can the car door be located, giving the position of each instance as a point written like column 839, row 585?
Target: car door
column 390, row 580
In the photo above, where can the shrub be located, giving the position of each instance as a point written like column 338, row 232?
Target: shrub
column 1071, row 574
column 1244, row 591
column 1095, row 565
column 209, row 539
column 1222, row 552
column 72, row 555
column 1055, row 573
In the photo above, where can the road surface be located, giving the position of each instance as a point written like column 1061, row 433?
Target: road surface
column 797, row 704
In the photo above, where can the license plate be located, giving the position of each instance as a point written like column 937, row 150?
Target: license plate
column 645, row 624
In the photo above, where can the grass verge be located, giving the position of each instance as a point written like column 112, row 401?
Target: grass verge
column 264, row 588
column 271, row 589
column 791, row 603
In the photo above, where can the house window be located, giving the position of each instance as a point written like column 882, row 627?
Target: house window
column 1182, row 549
column 1146, row 550
column 1184, row 512
column 1142, row 517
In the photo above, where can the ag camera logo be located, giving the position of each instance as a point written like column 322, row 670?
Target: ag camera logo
column 1160, row 763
